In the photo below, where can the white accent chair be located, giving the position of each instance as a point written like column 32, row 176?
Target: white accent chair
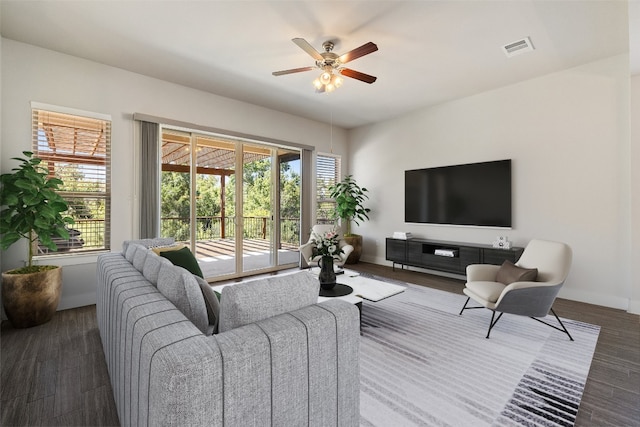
column 306, row 250
column 511, row 289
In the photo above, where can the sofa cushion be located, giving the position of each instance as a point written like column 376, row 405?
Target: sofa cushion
column 256, row 300
column 185, row 259
column 509, row 273
column 151, row 268
column 485, row 290
column 212, row 303
column 181, row 288
column 139, row 258
column 131, row 251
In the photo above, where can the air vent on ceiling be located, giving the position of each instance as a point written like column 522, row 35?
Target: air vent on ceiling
column 518, row 47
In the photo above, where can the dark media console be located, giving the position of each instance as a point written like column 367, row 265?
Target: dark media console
column 422, row 253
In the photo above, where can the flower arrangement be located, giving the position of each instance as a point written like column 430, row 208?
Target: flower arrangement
column 327, row 244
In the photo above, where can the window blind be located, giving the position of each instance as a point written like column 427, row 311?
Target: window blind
column 77, row 150
column 327, row 174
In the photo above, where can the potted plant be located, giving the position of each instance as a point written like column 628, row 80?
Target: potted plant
column 349, row 197
column 32, row 210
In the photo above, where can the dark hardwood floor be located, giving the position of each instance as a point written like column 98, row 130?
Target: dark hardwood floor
column 54, row 374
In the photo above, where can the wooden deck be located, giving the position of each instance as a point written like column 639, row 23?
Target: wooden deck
column 217, row 257
column 227, row 247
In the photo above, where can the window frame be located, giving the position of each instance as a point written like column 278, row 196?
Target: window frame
column 103, row 177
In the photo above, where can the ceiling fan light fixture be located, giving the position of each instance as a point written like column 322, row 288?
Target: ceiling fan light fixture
column 325, row 77
column 331, row 65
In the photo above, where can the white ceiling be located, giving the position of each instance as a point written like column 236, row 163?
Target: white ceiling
column 429, row 51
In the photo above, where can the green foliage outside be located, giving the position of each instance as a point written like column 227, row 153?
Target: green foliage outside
column 257, row 201
column 89, row 213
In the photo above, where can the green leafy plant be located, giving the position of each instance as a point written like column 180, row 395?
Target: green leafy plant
column 31, row 207
column 349, row 197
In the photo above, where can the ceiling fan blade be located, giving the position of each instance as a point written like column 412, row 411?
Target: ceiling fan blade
column 358, row 52
column 304, row 45
column 293, row 70
column 358, row 75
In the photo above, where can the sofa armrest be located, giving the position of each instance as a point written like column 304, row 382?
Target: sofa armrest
column 482, row 272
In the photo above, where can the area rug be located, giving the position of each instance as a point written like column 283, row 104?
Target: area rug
column 423, row 364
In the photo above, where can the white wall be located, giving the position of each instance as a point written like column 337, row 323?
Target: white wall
column 30, row 74
column 567, row 134
column 634, row 160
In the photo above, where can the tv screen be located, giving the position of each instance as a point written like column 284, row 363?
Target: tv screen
column 473, row 194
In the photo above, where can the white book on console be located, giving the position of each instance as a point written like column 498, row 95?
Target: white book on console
column 445, row 252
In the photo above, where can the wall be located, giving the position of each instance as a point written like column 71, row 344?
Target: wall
column 30, row 74
column 634, row 160
column 567, row 134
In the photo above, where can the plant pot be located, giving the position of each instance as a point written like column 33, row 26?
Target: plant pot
column 354, row 240
column 31, row 299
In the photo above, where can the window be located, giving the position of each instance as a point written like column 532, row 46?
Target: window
column 77, row 149
column 327, row 174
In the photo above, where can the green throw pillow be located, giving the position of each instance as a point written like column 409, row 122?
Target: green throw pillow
column 185, row 259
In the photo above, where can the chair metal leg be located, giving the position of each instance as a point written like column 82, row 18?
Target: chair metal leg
column 465, row 305
column 564, row 329
column 492, row 323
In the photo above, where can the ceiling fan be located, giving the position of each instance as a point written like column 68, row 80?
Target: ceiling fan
column 331, row 64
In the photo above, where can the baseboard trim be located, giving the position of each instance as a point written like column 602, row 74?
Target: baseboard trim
column 74, row 301
column 634, row 307
column 566, row 293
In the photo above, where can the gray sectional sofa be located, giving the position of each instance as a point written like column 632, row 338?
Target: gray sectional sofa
column 279, row 359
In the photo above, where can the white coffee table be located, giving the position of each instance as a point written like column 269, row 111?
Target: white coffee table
column 364, row 288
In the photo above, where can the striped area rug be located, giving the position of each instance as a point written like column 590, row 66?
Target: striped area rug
column 422, row 364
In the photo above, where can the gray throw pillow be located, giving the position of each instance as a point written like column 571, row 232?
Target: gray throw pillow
column 212, row 303
column 509, row 273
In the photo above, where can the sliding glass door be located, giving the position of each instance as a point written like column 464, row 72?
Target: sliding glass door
column 199, row 203
column 214, row 196
column 257, row 220
column 288, row 191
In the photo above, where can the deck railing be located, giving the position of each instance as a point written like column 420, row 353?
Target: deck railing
column 214, row 227
column 84, row 234
column 90, row 232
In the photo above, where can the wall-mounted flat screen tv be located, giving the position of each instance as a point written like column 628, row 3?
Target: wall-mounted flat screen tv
column 476, row 194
